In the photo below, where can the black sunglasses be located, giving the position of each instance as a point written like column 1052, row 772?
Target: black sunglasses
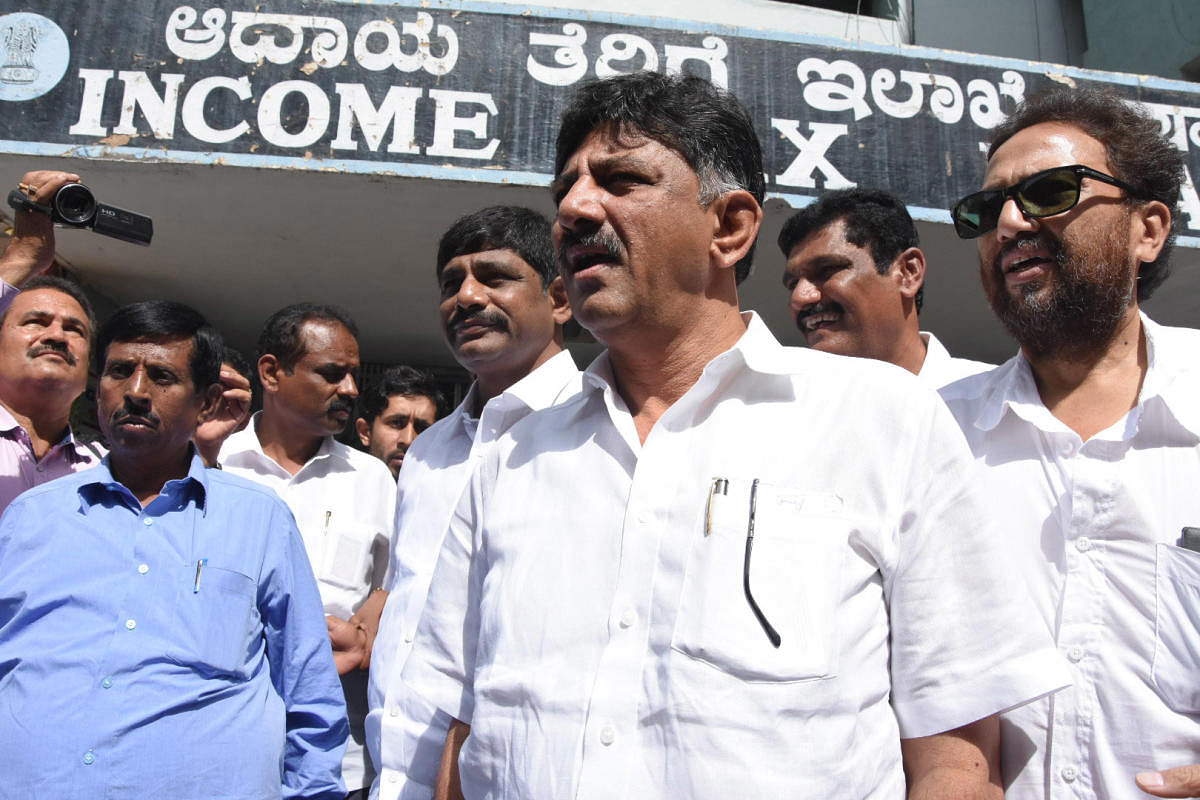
column 1042, row 194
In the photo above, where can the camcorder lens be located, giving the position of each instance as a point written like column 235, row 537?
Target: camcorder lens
column 75, row 204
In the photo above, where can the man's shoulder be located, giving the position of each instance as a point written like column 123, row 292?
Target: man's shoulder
column 360, row 462
column 239, row 443
column 849, row 373
column 433, row 440
column 1175, row 347
column 226, row 486
column 51, row 495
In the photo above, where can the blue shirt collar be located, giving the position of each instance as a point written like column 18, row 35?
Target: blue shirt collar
column 101, row 484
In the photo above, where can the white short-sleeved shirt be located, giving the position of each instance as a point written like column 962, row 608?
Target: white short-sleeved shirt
column 404, row 732
column 940, row 368
column 588, row 616
column 1096, row 527
column 343, row 501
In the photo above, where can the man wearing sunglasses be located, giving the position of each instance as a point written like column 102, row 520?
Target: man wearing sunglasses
column 1089, row 436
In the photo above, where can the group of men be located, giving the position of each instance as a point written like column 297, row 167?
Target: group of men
column 707, row 565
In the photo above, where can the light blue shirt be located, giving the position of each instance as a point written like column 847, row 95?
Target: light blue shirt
column 173, row 651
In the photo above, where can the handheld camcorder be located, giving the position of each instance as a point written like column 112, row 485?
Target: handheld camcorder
column 76, row 206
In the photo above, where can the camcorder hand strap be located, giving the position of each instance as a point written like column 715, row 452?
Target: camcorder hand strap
column 18, row 199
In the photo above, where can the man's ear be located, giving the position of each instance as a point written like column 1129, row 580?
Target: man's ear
column 560, row 306
column 909, row 269
column 738, row 216
column 268, row 372
column 364, row 431
column 1152, row 225
column 211, row 402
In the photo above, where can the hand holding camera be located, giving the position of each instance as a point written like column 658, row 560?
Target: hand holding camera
column 74, row 204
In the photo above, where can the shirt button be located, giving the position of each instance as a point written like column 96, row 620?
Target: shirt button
column 130, row 624
column 395, row 712
column 628, row 617
column 393, row 777
column 88, row 758
column 147, row 521
column 644, row 517
column 143, row 569
column 608, row 735
column 1075, row 653
column 1069, row 773
column 106, row 683
column 1083, row 544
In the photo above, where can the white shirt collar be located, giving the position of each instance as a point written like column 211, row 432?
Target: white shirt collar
column 245, row 443
column 1012, row 387
column 757, row 349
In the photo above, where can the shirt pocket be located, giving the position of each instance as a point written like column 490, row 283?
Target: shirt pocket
column 220, row 629
column 346, row 562
column 795, row 577
column 1176, row 669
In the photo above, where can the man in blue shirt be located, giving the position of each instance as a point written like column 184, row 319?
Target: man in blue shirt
column 161, row 633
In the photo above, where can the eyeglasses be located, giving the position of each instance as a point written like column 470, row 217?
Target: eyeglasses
column 1042, row 194
column 720, row 486
column 767, row 627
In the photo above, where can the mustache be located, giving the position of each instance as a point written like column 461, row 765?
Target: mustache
column 127, row 414
column 605, row 239
column 486, row 316
column 53, row 347
column 340, row 403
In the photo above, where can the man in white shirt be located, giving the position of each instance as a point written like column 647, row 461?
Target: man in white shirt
column 502, row 311
column 856, row 278
column 726, row 568
column 342, row 498
column 1089, row 437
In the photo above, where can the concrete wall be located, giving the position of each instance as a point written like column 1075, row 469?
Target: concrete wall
column 1039, row 30
column 1155, row 37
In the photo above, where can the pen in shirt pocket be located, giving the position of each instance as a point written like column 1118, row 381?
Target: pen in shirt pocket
column 719, row 486
column 199, row 568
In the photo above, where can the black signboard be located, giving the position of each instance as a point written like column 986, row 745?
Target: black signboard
column 468, row 92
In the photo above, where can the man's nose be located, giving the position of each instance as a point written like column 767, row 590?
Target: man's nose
column 347, row 387
column 580, row 210
column 804, row 294
column 471, row 293
column 1012, row 221
column 137, row 388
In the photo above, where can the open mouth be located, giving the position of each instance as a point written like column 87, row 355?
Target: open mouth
column 582, row 258
column 1026, row 259
column 581, row 253
column 818, row 317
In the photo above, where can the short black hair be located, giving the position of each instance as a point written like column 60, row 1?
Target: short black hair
column 521, row 230
column 1138, row 153
column 280, row 335
column 402, row 380
column 165, row 319
column 67, row 287
column 234, row 358
column 874, row 219
column 707, row 126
